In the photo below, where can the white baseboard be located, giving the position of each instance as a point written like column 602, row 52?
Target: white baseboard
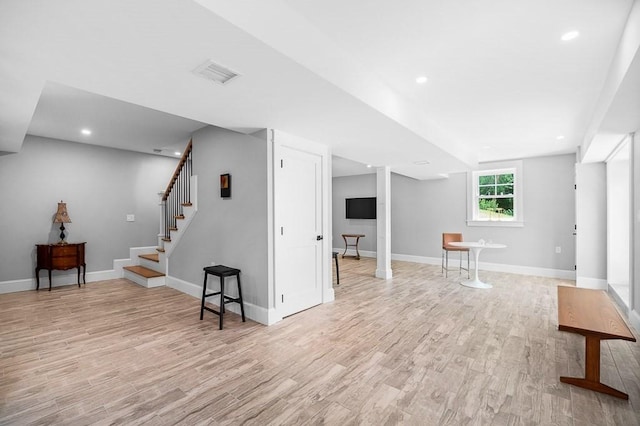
column 385, row 274
column 57, row 280
column 617, row 299
column 495, row 267
column 352, row 252
column 527, row 270
column 592, row 283
column 416, row 259
column 484, row 266
column 328, row 295
column 251, row 311
column 634, row 319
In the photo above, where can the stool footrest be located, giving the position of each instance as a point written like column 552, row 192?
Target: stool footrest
column 206, row 308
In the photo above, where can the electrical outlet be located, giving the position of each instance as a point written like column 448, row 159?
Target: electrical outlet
column 558, row 249
column 131, row 218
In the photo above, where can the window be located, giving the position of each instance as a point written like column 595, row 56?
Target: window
column 496, row 197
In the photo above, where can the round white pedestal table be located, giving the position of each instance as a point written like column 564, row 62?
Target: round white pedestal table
column 476, row 248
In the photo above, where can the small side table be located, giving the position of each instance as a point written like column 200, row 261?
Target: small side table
column 346, row 237
column 60, row 257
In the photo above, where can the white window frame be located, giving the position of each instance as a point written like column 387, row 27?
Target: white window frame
column 473, row 193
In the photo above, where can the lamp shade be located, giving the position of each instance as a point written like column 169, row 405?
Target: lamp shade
column 61, row 215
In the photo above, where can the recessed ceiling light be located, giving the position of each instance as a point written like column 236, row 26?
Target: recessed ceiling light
column 177, row 153
column 569, row 35
column 560, row 137
column 85, row 132
column 369, row 166
column 486, row 147
column 422, row 162
column 422, row 79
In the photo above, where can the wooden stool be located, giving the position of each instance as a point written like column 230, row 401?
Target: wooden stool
column 221, row 272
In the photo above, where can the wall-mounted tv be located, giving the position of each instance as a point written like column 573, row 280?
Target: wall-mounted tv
column 361, row 208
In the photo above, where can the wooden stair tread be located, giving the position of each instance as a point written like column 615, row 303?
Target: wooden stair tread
column 144, row 272
column 152, row 257
column 187, row 204
column 160, row 249
column 180, row 216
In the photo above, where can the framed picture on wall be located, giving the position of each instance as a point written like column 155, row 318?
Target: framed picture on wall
column 225, row 185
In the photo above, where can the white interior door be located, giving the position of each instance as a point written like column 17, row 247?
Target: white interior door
column 299, row 233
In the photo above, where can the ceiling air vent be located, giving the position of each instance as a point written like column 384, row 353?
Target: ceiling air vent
column 215, row 72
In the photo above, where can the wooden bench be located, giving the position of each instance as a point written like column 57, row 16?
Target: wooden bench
column 592, row 314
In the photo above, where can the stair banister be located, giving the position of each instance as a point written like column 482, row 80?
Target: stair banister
column 178, row 192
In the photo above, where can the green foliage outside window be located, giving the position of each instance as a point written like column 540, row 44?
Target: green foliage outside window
column 496, row 196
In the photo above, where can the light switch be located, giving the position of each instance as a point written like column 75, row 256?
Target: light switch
column 131, row 218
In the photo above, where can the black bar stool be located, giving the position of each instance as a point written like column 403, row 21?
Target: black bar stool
column 335, row 256
column 221, row 272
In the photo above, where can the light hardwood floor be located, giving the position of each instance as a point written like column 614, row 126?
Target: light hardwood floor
column 418, row 349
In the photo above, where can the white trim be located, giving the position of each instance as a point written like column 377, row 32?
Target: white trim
column 251, row 311
column 496, row 223
column 484, row 266
column 617, row 299
column 352, row 252
column 385, row 274
column 281, row 140
column 593, row 283
column 518, row 190
column 634, row 319
column 495, row 267
column 57, row 280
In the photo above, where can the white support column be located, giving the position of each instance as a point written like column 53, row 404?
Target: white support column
column 383, row 222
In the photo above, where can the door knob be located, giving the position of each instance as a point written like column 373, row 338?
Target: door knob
column 319, row 237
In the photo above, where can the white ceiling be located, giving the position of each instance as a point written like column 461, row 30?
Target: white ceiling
column 63, row 112
column 501, row 82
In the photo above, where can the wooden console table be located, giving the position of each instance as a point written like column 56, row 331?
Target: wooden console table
column 60, row 257
column 345, row 237
column 592, row 314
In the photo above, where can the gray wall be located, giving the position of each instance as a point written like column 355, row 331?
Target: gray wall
column 353, row 187
column 422, row 210
column 232, row 231
column 100, row 186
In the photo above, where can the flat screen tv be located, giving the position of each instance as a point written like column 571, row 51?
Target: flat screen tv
column 361, row 208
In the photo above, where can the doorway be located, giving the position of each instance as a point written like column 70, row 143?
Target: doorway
column 618, row 220
column 300, row 224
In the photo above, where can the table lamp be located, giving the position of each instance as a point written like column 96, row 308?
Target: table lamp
column 62, row 217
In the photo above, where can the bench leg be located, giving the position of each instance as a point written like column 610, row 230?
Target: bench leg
column 591, row 379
